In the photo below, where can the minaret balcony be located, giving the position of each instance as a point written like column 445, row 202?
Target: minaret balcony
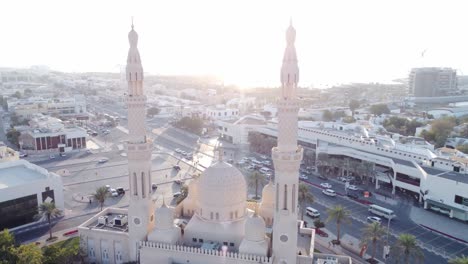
column 277, row 154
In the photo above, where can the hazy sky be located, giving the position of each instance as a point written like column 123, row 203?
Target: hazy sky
column 241, row 40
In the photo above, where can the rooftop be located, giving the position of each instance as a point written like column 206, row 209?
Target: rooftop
column 450, row 175
column 20, row 172
column 109, row 220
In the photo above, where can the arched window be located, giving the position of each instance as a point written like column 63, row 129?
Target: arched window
column 135, row 184
column 143, row 193
column 285, row 197
column 231, row 215
column 217, row 216
column 211, row 215
column 294, row 198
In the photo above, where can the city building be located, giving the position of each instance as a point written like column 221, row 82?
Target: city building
column 23, row 187
column 237, row 131
column 71, row 107
column 432, row 82
column 409, row 167
column 7, row 154
column 227, row 229
column 47, row 134
column 448, row 112
column 221, row 112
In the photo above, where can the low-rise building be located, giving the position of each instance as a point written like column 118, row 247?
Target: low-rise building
column 23, row 187
column 72, row 107
column 7, row 154
column 49, row 134
column 237, row 131
column 221, row 112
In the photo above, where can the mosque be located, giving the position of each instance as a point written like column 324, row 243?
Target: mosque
column 220, row 225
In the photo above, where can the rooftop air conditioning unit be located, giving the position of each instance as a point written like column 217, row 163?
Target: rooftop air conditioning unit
column 121, row 220
column 103, row 220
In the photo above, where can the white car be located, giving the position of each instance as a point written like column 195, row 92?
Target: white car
column 329, row 192
column 114, row 193
column 303, row 177
column 326, row 185
column 374, row 219
column 353, row 187
column 102, row 160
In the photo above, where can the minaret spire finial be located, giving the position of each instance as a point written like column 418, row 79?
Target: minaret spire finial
column 290, row 21
column 132, row 22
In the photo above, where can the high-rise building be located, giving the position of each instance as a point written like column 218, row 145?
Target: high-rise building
column 432, row 81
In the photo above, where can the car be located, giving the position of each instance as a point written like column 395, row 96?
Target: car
column 326, row 185
column 321, row 233
column 89, row 151
column 103, row 160
column 374, row 219
column 23, row 155
column 352, row 195
column 154, row 186
column 176, row 194
column 113, row 193
column 303, row 177
column 108, row 187
column 263, row 157
column 120, row 190
column 322, row 177
column 353, row 187
column 63, row 155
column 52, row 157
column 176, row 167
column 177, row 150
column 178, row 181
column 329, row 192
column 312, row 212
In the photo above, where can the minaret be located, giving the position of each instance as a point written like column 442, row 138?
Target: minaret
column 287, row 157
column 139, row 148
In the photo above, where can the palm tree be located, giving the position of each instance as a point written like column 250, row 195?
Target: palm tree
column 372, row 233
column 304, row 197
column 459, row 260
column 407, row 247
column 48, row 211
column 101, row 195
column 257, row 179
column 341, row 216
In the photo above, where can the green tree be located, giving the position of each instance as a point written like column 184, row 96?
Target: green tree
column 184, row 190
column 101, row 194
column 192, row 124
column 65, row 251
column 379, row 109
column 153, row 111
column 442, row 128
column 48, row 211
column 304, row 197
column 257, row 180
column 17, row 94
column 319, row 224
column 7, row 243
column 406, row 247
column 13, row 136
column 327, row 115
column 353, row 105
column 372, row 233
column 459, row 260
column 28, row 254
column 341, row 216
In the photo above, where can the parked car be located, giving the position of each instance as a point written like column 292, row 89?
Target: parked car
column 353, row 195
column 52, row 157
column 113, row 192
column 374, row 219
column 329, row 192
column 326, row 185
column 303, row 177
column 177, row 194
column 353, row 187
column 176, row 167
column 23, row 155
column 120, row 190
column 103, row 160
column 63, row 155
column 321, row 233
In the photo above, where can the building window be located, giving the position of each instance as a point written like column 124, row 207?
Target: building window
column 211, row 215
column 135, row 185
column 285, row 197
column 217, row 216
column 200, row 240
column 231, row 244
column 294, row 198
column 194, row 240
column 225, row 243
column 461, row 200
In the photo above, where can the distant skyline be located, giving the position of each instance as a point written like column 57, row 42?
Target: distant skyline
column 338, row 41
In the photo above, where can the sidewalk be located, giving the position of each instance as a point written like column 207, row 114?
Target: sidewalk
column 441, row 223
column 61, row 236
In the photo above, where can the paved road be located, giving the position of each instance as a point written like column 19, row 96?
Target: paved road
column 402, row 224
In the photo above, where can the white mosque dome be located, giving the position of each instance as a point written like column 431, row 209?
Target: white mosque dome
column 164, row 217
column 268, row 194
column 255, row 228
column 222, row 192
